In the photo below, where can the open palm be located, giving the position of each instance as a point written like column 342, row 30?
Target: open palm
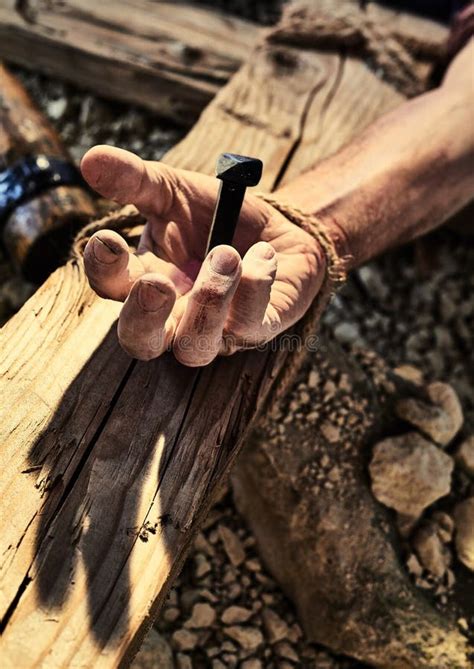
column 175, row 296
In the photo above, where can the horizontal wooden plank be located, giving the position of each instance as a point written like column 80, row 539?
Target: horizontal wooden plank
column 169, row 57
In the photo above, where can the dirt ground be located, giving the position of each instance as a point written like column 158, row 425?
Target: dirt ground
column 415, row 305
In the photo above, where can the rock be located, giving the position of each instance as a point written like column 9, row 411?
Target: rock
column 249, row 638
column 236, row 614
column 465, row 456
column 276, row 629
column 464, row 532
column 430, row 550
column 347, row 333
column 285, row 650
column 408, row 473
column 203, row 615
column 410, row 373
column 232, row 545
column 252, row 663
column 441, row 420
column 182, row 662
column 154, row 652
column 171, row 614
column 373, row 281
column 217, row 664
column 444, row 526
column 413, row 565
column 183, row 639
column 203, row 566
column 56, row 108
column 313, row 379
column 331, row 432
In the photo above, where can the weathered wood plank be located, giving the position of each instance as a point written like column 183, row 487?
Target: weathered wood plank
column 169, row 57
column 80, row 425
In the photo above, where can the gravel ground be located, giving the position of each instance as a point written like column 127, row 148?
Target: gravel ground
column 225, row 610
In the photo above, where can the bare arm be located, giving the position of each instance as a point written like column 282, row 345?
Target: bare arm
column 406, row 174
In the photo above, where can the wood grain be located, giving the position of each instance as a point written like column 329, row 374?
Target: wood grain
column 37, row 231
column 109, row 465
column 169, row 57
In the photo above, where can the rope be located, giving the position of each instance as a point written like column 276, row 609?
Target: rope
column 312, row 225
column 127, row 221
column 404, row 59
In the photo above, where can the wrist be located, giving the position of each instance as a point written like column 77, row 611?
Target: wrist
column 329, row 240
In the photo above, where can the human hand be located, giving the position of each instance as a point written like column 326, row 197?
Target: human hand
column 235, row 298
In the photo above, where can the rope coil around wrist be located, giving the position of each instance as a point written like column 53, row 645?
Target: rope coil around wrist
column 335, row 265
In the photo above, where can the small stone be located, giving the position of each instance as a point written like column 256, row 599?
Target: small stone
column 305, row 397
column 203, row 615
column 235, row 614
column 232, row 545
column 464, row 533
column 313, row 379
column 285, row 650
column 203, row 566
column 154, row 652
column 252, row 663
column 410, row 373
column 56, row 108
column 249, row 638
column 463, row 624
column 334, row 474
column 409, row 473
column 275, row 627
column 234, row 591
column 444, row 526
column 171, row 614
column 253, row 565
column 207, row 594
column 330, row 432
column 430, row 550
column 184, row 640
column 183, row 662
column 465, row 456
column 413, row 566
column 346, row 333
column 441, row 420
column 374, row 283
column 202, row 545
column 217, row 664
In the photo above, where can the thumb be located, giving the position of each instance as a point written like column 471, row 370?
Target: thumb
column 124, row 177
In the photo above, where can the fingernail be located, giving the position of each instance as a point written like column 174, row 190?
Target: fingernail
column 150, row 296
column 105, row 251
column 223, row 261
column 264, row 251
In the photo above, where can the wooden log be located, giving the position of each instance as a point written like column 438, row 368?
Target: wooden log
column 36, row 233
column 108, row 465
column 169, row 57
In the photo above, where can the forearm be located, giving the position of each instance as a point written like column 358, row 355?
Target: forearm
column 406, row 174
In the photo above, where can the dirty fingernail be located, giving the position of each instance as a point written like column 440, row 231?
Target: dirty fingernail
column 105, row 251
column 224, row 261
column 150, row 296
